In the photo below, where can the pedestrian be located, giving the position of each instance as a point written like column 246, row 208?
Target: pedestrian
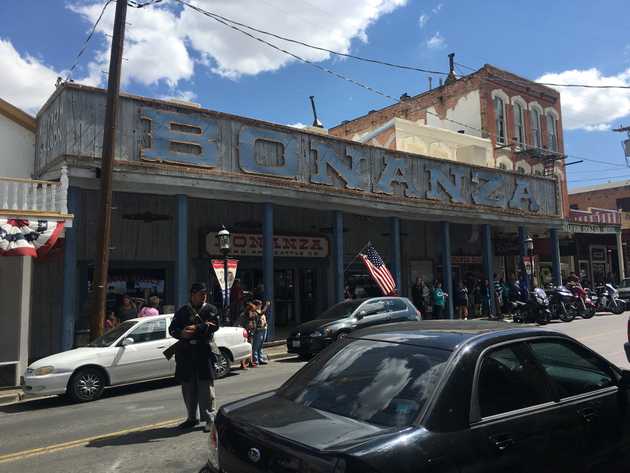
column 110, row 321
column 417, row 295
column 237, row 298
column 194, row 325
column 439, row 300
column 127, row 310
column 260, row 333
column 461, row 300
column 248, row 322
column 151, row 308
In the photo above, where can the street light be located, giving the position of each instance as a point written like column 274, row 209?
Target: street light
column 223, row 242
column 529, row 243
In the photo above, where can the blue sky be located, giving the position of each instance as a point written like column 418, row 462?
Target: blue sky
column 175, row 52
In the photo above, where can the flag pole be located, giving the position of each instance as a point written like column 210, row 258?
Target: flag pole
column 355, row 256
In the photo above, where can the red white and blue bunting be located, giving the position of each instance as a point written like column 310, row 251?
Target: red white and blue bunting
column 28, row 237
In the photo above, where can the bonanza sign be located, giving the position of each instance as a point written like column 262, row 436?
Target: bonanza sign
column 247, row 244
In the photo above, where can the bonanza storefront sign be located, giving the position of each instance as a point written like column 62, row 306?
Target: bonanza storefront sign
column 248, row 244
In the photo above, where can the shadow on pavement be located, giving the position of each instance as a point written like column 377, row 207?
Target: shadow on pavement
column 294, row 359
column 144, row 436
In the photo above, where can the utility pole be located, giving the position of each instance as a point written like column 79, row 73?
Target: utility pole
column 97, row 316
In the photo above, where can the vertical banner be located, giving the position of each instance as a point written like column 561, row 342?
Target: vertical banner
column 219, row 271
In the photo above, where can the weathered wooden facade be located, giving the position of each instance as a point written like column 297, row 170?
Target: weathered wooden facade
column 181, row 172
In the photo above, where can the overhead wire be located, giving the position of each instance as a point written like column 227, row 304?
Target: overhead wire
column 87, row 41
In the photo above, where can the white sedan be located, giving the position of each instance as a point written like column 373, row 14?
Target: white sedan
column 129, row 353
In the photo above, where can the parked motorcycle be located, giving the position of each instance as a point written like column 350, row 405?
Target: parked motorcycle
column 583, row 304
column 561, row 301
column 607, row 300
column 535, row 310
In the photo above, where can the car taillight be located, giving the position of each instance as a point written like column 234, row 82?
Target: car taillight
column 245, row 334
column 629, row 329
column 418, row 314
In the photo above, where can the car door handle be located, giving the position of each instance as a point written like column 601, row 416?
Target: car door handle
column 161, row 346
column 501, row 442
column 588, row 413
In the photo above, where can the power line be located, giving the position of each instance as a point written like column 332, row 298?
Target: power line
column 87, row 40
column 311, row 46
column 607, row 178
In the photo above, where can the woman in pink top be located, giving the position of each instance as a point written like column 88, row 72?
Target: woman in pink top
column 151, row 308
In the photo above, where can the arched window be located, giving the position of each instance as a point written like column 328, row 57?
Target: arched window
column 535, row 123
column 552, row 132
column 519, row 124
column 499, row 113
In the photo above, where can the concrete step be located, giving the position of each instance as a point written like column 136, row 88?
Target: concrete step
column 8, row 396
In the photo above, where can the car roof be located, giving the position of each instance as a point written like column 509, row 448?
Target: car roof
column 446, row 334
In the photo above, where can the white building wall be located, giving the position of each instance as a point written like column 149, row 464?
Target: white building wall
column 17, row 149
column 467, row 111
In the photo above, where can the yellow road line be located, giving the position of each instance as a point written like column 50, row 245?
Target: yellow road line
column 9, row 457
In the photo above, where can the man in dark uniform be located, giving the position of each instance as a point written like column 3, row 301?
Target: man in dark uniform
column 194, row 325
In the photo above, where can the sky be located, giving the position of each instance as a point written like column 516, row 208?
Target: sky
column 172, row 51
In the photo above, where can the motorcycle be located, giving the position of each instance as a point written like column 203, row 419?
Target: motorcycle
column 583, row 304
column 607, row 300
column 561, row 301
column 535, row 310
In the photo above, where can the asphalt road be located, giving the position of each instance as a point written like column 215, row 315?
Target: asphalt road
column 131, row 429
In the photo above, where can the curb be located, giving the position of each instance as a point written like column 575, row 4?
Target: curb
column 10, row 398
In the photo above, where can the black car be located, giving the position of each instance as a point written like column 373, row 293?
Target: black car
column 339, row 320
column 439, row 397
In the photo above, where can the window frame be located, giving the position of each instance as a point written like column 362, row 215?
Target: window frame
column 144, row 323
column 519, row 116
column 552, row 131
column 500, row 119
column 535, row 124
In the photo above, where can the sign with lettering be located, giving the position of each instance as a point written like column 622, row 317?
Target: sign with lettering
column 465, row 259
column 596, row 228
column 247, row 244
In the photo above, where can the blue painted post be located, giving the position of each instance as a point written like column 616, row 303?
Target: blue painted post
column 447, row 269
column 181, row 270
column 555, row 256
column 70, row 271
column 268, row 265
column 396, row 269
column 338, row 255
column 488, row 265
column 522, row 236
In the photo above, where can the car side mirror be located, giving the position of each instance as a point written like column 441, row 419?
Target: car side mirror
column 128, row 341
column 625, row 379
column 361, row 314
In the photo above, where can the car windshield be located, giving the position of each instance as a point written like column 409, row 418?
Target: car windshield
column 377, row 382
column 112, row 335
column 341, row 310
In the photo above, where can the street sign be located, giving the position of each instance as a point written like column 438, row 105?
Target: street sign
column 218, row 266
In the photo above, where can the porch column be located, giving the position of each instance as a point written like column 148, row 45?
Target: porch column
column 395, row 230
column 622, row 269
column 181, row 264
column 522, row 236
column 70, row 271
column 25, row 279
column 488, row 265
column 555, row 257
column 268, row 265
column 338, row 254
column 447, row 271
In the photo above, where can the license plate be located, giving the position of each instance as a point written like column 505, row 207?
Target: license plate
column 296, row 344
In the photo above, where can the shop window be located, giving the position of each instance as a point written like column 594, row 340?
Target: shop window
column 499, row 113
column 519, row 124
column 552, row 132
column 535, row 119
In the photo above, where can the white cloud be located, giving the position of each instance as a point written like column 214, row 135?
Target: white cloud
column 25, row 81
column 423, row 20
column 437, row 8
column 591, row 109
column 164, row 43
column 298, row 125
column 436, row 41
column 181, row 95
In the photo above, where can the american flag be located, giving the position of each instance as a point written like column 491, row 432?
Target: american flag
column 379, row 272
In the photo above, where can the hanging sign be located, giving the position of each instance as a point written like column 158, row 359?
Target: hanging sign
column 219, row 271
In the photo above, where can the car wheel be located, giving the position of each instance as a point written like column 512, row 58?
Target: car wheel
column 86, row 385
column 222, row 365
column 341, row 335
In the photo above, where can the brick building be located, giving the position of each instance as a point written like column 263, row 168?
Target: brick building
column 522, row 119
column 612, row 195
